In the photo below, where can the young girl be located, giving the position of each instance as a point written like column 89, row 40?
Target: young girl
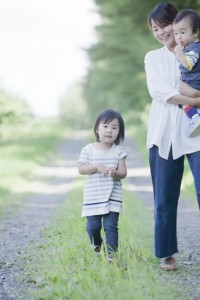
column 104, row 163
column 186, row 27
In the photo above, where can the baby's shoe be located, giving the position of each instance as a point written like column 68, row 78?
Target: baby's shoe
column 194, row 126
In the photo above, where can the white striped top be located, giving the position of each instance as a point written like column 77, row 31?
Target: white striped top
column 102, row 194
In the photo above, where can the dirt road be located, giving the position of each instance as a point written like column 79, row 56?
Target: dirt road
column 17, row 232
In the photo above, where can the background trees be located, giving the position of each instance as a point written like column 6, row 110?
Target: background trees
column 73, row 108
column 12, row 108
column 116, row 76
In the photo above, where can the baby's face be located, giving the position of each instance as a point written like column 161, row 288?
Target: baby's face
column 183, row 33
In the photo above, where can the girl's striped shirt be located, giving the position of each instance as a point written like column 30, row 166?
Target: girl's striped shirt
column 102, row 194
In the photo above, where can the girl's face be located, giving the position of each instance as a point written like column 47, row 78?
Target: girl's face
column 108, row 132
column 164, row 35
column 183, row 33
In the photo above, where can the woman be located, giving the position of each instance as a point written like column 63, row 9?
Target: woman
column 167, row 138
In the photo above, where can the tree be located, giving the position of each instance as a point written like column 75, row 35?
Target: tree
column 73, row 108
column 12, row 109
column 116, row 76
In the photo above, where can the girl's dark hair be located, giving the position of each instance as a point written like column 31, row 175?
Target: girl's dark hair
column 163, row 14
column 107, row 116
column 192, row 16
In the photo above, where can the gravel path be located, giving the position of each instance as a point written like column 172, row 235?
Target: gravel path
column 17, row 232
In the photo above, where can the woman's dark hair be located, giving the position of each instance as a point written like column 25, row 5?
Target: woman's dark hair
column 190, row 15
column 107, row 116
column 163, row 14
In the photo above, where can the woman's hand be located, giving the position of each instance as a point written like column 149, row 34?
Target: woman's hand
column 186, row 90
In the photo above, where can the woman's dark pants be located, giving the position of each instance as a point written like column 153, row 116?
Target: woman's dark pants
column 166, row 178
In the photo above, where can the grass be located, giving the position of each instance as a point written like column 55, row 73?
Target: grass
column 63, row 265
column 22, row 154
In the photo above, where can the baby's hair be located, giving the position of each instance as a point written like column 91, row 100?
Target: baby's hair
column 107, row 116
column 192, row 16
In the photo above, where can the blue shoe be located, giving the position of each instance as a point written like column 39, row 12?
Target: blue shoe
column 194, row 126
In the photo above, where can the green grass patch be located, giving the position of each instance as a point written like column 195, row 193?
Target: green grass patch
column 136, row 127
column 21, row 155
column 64, row 266
column 188, row 188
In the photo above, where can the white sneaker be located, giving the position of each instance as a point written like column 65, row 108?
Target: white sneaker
column 194, row 126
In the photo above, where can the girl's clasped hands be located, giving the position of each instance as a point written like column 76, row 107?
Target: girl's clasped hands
column 107, row 171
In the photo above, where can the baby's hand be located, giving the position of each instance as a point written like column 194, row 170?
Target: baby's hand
column 179, row 49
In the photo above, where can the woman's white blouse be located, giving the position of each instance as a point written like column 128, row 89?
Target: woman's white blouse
column 167, row 123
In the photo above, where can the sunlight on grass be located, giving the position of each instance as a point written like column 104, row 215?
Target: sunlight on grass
column 64, row 265
column 22, row 155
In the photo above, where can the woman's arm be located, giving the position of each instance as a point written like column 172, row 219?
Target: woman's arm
column 161, row 89
column 189, row 96
column 184, row 100
column 160, row 82
column 187, row 90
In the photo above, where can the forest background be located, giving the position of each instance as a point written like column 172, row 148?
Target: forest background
column 115, row 77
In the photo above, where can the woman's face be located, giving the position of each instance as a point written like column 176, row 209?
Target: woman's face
column 164, row 35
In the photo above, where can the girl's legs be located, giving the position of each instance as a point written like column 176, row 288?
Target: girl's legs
column 194, row 162
column 166, row 178
column 93, row 227
column 110, row 224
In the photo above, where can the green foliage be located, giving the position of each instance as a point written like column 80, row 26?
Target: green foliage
column 20, row 157
column 14, row 114
column 116, row 77
column 12, row 109
column 73, row 108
